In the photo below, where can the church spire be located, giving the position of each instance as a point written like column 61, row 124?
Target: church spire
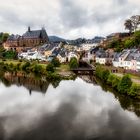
column 29, row 29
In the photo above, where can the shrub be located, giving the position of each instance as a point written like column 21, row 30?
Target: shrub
column 134, row 90
column 26, row 66
column 105, row 75
column 50, row 68
column 102, row 73
column 18, row 66
column 56, row 62
column 37, row 69
column 115, row 82
column 73, row 63
column 110, row 79
column 98, row 72
column 125, row 84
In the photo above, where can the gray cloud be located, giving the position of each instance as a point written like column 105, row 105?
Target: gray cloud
column 72, row 15
column 67, row 18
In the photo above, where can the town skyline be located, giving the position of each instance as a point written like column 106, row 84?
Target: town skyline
column 67, row 18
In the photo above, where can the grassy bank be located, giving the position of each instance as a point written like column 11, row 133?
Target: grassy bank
column 124, row 85
column 49, row 70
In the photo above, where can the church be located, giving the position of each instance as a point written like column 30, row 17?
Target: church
column 30, row 39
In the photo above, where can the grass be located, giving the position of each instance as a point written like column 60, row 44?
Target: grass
column 134, row 76
column 8, row 61
column 63, row 67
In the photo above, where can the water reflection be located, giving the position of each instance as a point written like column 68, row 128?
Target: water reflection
column 28, row 81
column 75, row 110
column 126, row 102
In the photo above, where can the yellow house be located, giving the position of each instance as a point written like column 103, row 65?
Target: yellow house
column 48, row 51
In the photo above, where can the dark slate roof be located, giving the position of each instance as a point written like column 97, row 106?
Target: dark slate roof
column 49, row 47
column 116, row 56
column 94, row 50
column 13, row 37
column 133, row 56
column 62, row 53
column 36, row 34
column 56, row 51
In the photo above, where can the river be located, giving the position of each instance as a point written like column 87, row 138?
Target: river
column 69, row 110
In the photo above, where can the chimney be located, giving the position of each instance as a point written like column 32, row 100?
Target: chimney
column 29, row 29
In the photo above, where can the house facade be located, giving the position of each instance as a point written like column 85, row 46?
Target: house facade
column 128, row 59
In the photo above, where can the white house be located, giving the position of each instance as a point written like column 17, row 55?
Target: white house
column 88, row 46
column 128, row 59
column 32, row 55
column 119, row 59
column 71, row 55
column 36, row 55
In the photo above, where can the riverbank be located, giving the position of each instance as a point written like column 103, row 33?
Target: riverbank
column 37, row 68
column 124, row 85
column 135, row 76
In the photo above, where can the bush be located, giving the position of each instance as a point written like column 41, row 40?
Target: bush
column 105, row 75
column 50, row 68
column 56, row 62
column 73, row 63
column 37, row 69
column 115, row 82
column 110, row 79
column 98, row 72
column 125, row 84
column 18, row 66
column 26, row 66
column 134, row 90
column 102, row 73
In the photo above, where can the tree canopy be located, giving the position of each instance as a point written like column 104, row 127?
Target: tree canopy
column 132, row 23
column 3, row 37
column 73, row 63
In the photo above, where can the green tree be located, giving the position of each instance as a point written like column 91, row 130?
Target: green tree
column 37, row 69
column 134, row 90
column 135, row 21
column 50, row 68
column 2, row 50
column 114, row 44
column 129, row 25
column 137, row 38
column 110, row 79
column 129, row 43
column 125, row 84
column 10, row 54
column 105, row 75
column 73, row 63
column 56, row 62
column 117, row 44
column 26, row 66
column 4, row 37
column 115, row 82
column 132, row 23
column 98, row 71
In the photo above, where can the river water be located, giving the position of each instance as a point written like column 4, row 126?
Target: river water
column 70, row 110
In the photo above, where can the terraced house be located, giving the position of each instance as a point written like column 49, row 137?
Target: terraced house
column 30, row 39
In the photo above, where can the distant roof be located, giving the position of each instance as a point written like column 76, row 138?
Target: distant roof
column 36, row 34
column 62, row 53
column 56, row 51
column 13, row 37
column 133, row 55
column 49, row 47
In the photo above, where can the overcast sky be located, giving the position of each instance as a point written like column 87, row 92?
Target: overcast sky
column 67, row 18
